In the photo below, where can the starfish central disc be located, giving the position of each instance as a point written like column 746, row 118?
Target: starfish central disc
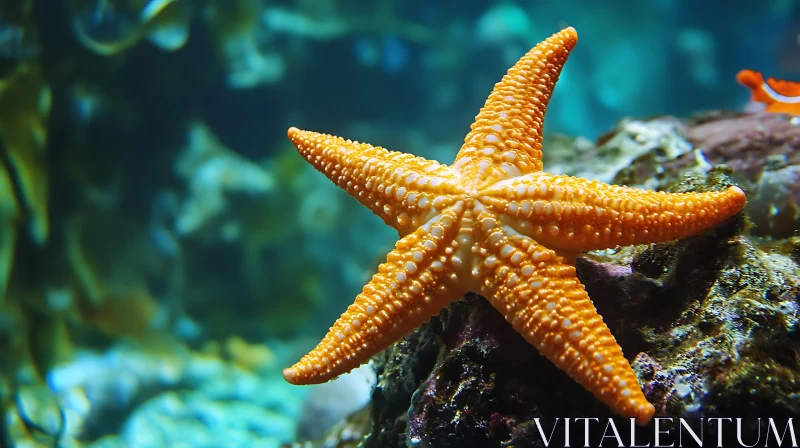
column 495, row 224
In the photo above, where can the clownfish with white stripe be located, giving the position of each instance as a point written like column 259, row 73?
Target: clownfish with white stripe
column 774, row 95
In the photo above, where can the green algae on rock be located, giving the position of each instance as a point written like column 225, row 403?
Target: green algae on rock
column 732, row 346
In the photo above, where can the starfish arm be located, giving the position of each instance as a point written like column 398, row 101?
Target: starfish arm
column 541, row 296
column 506, row 138
column 402, row 189
column 409, row 288
column 577, row 215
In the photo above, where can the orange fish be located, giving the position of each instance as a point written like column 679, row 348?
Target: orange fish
column 776, row 95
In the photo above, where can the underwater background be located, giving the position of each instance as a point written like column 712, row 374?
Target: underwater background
column 165, row 252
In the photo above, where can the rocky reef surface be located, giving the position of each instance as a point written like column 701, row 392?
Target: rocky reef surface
column 710, row 323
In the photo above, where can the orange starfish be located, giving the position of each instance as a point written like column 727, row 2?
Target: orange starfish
column 494, row 223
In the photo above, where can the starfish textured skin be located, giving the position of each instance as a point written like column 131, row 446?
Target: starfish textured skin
column 495, row 224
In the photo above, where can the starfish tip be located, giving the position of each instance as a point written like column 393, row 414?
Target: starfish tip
column 290, row 375
column 646, row 413
column 736, row 190
column 569, row 36
column 739, row 197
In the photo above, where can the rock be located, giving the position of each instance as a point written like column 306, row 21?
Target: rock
column 714, row 323
column 731, row 346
